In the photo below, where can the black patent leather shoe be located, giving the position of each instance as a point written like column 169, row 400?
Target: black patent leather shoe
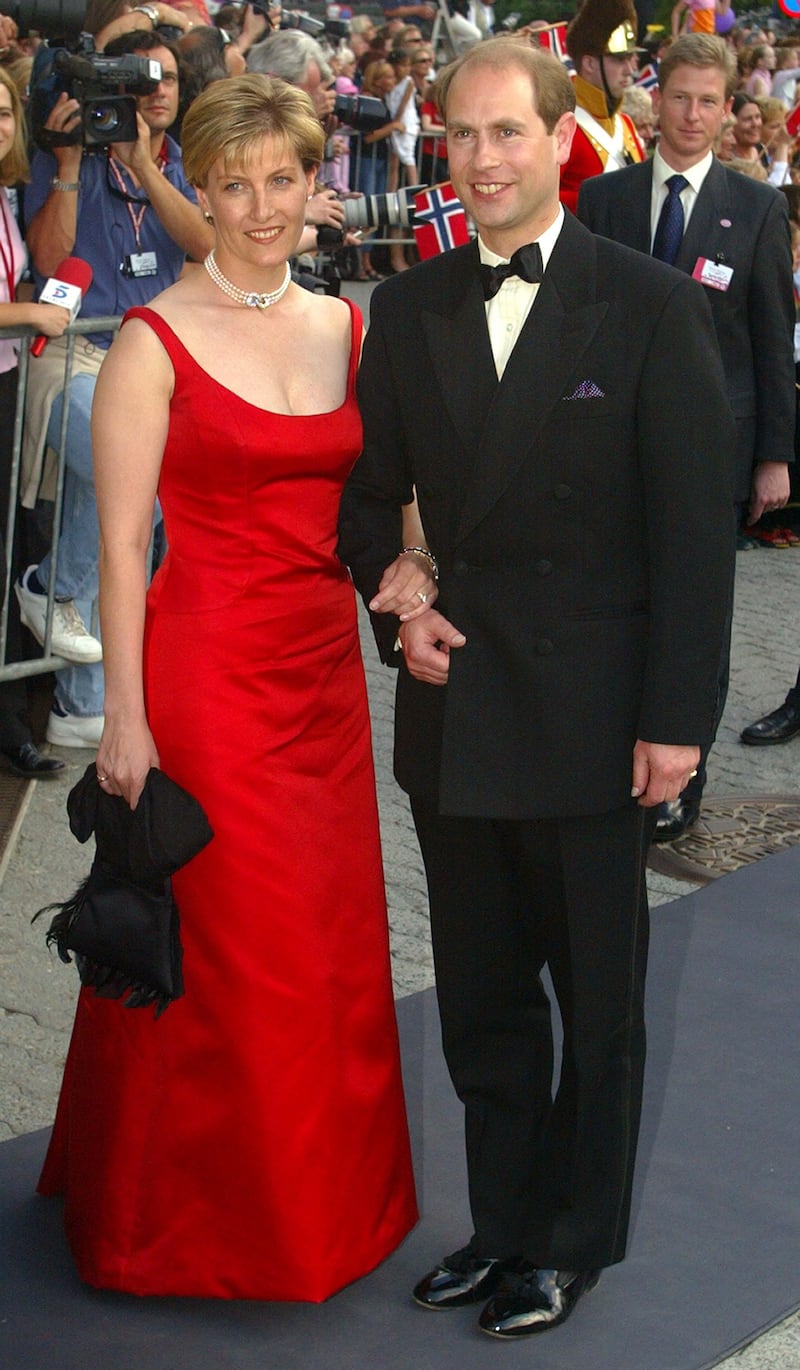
column 532, row 1300
column 461, row 1279
column 28, row 762
column 778, row 726
column 675, row 817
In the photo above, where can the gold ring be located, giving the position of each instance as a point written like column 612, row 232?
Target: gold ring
column 422, row 596
column 101, row 778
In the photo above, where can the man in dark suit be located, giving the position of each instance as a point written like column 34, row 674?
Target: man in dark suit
column 731, row 233
column 584, row 559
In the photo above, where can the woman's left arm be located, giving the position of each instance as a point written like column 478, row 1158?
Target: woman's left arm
column 130, row 419
column 408, row 586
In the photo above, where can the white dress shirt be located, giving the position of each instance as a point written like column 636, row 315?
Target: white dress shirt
column 507, row 311
column 695, row 175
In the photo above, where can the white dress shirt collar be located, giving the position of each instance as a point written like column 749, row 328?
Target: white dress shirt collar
column 546, row 243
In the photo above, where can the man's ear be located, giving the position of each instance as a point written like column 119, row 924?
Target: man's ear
column 589, row 67
column 564, row 132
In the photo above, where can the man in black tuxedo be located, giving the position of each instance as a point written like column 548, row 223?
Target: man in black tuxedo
column 584, row 550
column 731, row 233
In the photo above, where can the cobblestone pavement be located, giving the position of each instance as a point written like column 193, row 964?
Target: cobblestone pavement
column 37, row 995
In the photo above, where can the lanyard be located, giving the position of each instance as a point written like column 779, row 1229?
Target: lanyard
column 136, row 215
column 8, row 256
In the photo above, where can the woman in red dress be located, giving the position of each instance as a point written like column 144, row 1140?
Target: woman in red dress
column 251, row 1142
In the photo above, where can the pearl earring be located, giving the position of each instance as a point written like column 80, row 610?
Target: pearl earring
column 209, row 218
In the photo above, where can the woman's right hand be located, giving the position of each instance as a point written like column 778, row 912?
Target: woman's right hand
column 125, row 755
column 50, row 319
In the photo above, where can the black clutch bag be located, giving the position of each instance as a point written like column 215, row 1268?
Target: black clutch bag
column 122, row 923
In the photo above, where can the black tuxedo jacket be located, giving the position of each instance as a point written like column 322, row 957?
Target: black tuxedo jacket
column 744, row 224
column 581, row 519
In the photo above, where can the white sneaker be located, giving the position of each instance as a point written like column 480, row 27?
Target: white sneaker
column 70, row 638
column 74, row 730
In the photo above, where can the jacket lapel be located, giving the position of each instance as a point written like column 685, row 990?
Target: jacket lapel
column 559, row 328
column 638, row 185
column 459, row 348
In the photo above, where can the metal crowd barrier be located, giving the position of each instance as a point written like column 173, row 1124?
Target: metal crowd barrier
column 39, row 665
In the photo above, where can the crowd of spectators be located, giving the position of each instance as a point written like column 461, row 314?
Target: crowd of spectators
column 74, row 190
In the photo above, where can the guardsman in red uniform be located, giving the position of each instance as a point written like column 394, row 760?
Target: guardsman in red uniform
column 601, row 40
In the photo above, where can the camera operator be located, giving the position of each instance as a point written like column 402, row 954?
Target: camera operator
column 129, row 212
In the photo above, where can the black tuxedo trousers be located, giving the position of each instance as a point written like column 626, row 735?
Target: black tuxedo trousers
column 550, row 1167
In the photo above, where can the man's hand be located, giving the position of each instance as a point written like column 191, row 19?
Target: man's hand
column 254, row 26
column 325, row 208
column 770, row 489
column 65, row 117
column 8, row 32
column 426, row 642
column 137, row 157
column 323, row 98
column 661, row 772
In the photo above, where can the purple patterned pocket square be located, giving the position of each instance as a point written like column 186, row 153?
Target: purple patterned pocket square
column 587, row 390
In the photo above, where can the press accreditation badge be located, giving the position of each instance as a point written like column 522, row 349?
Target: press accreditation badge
column 713, row 274
column 140, row 264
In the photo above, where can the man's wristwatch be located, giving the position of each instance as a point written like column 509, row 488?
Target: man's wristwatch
column 150, row 11
column 56, row 184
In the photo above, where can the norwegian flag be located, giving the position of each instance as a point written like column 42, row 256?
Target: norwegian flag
column 554, row 37
column 440, row 220
column 647, row 78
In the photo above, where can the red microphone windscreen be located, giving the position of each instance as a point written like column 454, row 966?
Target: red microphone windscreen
column 75, row 271
column 72, row 271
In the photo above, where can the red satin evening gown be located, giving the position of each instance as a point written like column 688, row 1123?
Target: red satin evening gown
column 252, row 1142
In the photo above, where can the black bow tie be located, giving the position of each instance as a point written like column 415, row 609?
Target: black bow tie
column 526, row 263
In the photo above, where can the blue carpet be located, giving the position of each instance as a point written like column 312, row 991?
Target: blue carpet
column 713, row 1252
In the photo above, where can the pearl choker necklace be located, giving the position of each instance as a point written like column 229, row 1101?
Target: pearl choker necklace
column 247, row 297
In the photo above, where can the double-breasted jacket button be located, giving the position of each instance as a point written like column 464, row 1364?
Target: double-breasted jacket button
column 562, row 491
column 544, row 567
column 544, row 646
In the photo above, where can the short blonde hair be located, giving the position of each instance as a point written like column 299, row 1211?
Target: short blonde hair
column 699, row 50
column 231, row 119
column 14, row 166
column 373, row 72
column 552, row 92
column 772, row 109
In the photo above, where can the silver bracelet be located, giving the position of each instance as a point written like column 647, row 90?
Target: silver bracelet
column 423, row 552
column 55, row 184
column 150, row 11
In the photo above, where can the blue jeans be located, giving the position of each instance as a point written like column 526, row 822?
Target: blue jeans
column 79, row 689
